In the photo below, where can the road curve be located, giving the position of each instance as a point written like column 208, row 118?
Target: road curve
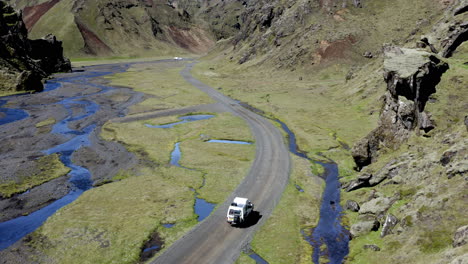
column 213, row 240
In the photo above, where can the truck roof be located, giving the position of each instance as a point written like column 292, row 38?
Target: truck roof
column 240, row 201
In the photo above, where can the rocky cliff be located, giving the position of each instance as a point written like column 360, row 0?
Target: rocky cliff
column 407, row 203
column 24, row 62
column 123, row 28
column 411, row 76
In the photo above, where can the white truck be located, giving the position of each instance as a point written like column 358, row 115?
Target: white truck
column 239, row 211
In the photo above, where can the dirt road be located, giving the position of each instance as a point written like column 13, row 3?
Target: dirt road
column 213, row 240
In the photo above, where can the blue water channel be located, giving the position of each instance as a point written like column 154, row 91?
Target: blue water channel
column 202, row 208
column 9, row 115
column 80, row 178
column 184, row 119
column 229, row 141
column 257, row 258
column 329, row 230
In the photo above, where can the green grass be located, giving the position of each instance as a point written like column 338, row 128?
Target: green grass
column 163, row 85
column 66, row 30
column 293, row 102
column 110, row 223
column 245, row 259
column 280, row 239
column 45, row 169
column 47, row 122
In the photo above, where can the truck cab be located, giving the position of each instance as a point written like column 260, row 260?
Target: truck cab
column 239, row 210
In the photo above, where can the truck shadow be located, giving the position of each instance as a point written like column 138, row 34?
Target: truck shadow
column 252, row 220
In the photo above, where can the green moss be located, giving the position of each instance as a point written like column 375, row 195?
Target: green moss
column 121, row 175
column 245, row 259
column 433, row 241
column 46, row 169
column 164, row 83
column 47, row 122
column 303, row 210
column 66, row 30
column 405, row 193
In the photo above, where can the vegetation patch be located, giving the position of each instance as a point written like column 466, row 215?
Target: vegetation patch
column 45, row 169
column 47, row 122
column 163, row 85
column 112, row 223
column 295, row 212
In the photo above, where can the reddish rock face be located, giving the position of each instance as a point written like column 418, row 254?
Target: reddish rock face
column 32, row 14
column 93, row 44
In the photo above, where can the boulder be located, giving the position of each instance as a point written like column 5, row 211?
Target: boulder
column 376, row 206
column 460, row 237
column 426, row 122
column 364, row 227
column 389, row 171
column 390, row 222
column 368, row 55
column 352, row 206
column 28, row 80
column 371, row 247
column 447, row 157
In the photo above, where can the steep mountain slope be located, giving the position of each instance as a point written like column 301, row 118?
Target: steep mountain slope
column 120, row 28
column 331, row 76
column 24, row 62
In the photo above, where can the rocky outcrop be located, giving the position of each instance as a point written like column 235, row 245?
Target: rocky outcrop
column 411, row 77
column 352, row 206
column 371, row 247
column 376, row 206
column 364, row 227
column 461, row 236
column 24, row 62
column 389, row 171
column 450, row 32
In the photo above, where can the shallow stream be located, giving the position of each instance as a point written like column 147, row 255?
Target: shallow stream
column 80, row 178
column 329, row 230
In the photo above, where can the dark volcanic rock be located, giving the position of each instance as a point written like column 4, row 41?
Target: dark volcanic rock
column 24, row 62
column 50, row 53
column 371, row 247
column 352, row 206
column 411, row 77
column 447, row 157
column 458, row 34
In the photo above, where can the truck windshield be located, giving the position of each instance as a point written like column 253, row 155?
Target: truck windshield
column 234, row 212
